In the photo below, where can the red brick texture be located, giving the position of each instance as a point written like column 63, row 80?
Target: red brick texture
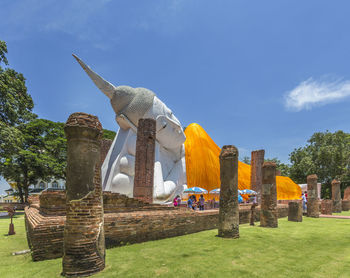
column 228, row 211
column 105, row 146
column 313, row 209
column 346, row 205
column 347, row 193
column 326, row 207
column 45, row 232
column 53, row 202
column 336, row 197
column 84, row 243
column 268, row 213
column 144, row 160
column 295, row 212
column 257, row 161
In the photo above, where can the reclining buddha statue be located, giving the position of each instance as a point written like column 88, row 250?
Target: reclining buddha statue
column 130, row 105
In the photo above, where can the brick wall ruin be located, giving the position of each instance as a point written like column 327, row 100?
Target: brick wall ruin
column 126, row 220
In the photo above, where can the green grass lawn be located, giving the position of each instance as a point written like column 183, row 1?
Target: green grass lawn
column 345, row 213
column 313, row 248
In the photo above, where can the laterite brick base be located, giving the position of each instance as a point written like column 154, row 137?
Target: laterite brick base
column 345, row 205
column 135, row 222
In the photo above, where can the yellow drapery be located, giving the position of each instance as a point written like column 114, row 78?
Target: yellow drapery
column 203, row 166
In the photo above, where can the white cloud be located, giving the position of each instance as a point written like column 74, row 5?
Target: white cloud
column 312, row 93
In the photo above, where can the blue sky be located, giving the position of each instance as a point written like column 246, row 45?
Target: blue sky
column 256, row 74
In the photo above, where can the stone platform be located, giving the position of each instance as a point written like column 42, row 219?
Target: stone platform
column 126, row 220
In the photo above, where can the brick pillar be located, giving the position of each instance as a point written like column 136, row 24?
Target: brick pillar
column 257, row 161
column 84, row 243
column 268, row 211
column 105, row 146
column 327, row 207
column 144, row 160
column 347, row 193
column 345, row 205
column 295, row 211
column 228, row 211
column 336, row 197
column 312, row 200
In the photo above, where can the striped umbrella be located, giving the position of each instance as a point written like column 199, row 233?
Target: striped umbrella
column 196, row 190
column 248, row 192
column 215, row 191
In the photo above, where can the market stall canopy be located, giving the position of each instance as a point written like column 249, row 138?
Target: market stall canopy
column 203, row 166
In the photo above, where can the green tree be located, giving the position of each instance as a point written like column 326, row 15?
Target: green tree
column 108, row 134
column 327, row 155
column 41, row 154
column 282, row 167
column 15, row 105
column 246, row 160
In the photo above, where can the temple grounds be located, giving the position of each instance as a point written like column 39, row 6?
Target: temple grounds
column 312, row 248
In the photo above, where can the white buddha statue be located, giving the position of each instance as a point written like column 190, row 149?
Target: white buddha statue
column 130, row 105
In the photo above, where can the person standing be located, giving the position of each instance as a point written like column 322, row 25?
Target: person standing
column 201, row 202
column 175, row 202
column 304, row 200
column 189, row 202
column 252, row 208
column 178, row 200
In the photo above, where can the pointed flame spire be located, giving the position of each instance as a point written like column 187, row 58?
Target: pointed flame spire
column 107, row 88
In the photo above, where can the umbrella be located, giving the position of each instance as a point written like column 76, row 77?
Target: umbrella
column 215, row 191
column 248, row 192
column 196, row 190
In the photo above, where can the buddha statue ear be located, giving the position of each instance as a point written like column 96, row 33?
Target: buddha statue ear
column 107, row 88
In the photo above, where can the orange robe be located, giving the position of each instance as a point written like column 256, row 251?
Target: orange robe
column 203, row 166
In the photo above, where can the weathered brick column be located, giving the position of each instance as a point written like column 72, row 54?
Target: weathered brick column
column 327, row 207
column 84, row 243
column 312, row 200
column 105, row 146
column 345, row 205
column 144, row 160
column 336, row 197
column 295, row 211
column 268, row 211
column 257, row 161
column 228, row 212
column 347, row 193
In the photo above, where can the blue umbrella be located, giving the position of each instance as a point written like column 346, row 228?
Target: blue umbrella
column 248, row 192
column 215, row 191
column 196, row 190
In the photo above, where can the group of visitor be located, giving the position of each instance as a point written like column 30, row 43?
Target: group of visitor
column 194, row 204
